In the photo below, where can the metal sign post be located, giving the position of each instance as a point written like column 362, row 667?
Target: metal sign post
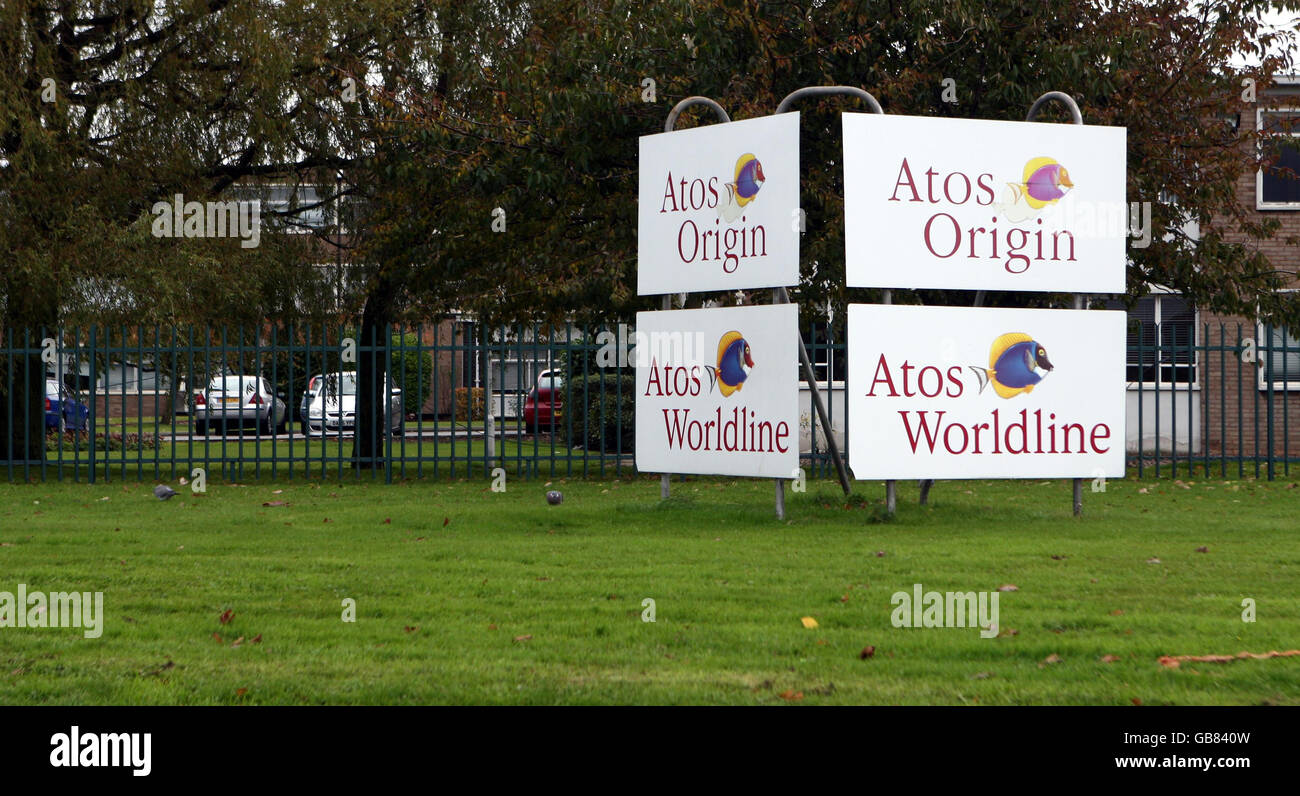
column 667, row 302
column 783, row 296
column 1077, row 116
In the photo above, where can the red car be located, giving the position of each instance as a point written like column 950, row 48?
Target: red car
column 545, row 402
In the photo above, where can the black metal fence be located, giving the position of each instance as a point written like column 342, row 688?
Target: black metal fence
column 461, row 400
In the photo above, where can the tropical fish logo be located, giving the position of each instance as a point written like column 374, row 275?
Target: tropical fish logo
column 1044, row 183
column 743, row 189
column 1017, row 362
column 734, row 363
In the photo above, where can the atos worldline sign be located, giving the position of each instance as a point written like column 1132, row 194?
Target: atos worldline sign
column 717, row 391
column 969, row 392
column 971, row 204
column 718, row 207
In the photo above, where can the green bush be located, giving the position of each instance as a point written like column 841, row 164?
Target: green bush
column 412, row 369
column 617, row 431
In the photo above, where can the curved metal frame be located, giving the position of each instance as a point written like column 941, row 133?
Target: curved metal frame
column 827, row 91
column 1061, row 97
column 676, row 112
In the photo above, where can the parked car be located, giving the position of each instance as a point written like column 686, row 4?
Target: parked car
column 314, row 385
column 334, row 406
column 544, row 403
column 239, row 399
column 63, row 411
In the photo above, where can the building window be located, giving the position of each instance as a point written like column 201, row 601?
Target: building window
column 1280, row 357
column 1277, row 183
column 1161, row 341
column 295, row 209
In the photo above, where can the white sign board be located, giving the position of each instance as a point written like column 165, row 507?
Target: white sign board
column 970, row 204
column 717, row 391
column 964, row 392
column 718, row 207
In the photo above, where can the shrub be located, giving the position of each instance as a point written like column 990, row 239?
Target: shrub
column 412, row 368
column 77, row 441
column 616, row 429
column 463, row 397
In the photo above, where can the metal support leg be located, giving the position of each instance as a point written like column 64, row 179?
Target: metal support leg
column 665, row 487
column 780, row 498
column 819, row 407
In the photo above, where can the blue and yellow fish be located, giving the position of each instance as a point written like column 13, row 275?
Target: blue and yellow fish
column 743, row 189
column 734, row 360
column 1044, row 182
column 1017, row 362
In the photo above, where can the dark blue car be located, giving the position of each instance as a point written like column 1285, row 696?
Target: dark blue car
column 63, row 412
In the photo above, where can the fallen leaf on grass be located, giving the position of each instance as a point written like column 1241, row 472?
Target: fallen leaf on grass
column 1202, row 549
column 410, row 629
column 1117, row 612
column 327, row 519
column 227, row 616
column 1153, row 560
column 276, row 503
column 1008, row 587
column 809, row 622
column 1174, row 661
column 445, row 520
column 1058, row 558
column 524, row 638
column 241, row 691
column 492, row 627
column 388, row 520
column 1136, row 701
column 1144, row 491
column 1050, row 659
column 867, row 652
column 1109, row 658
column 793, row 696
column 217, row 636
column 237, row 642
column 257, row 639
column 980, row 676
column 844, row 599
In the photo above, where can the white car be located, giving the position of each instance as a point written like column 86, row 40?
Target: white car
column 239, row 399
column 333, row 408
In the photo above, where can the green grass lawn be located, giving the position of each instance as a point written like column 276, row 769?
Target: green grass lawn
column 467, row 595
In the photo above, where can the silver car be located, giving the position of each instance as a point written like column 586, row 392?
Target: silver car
column 333, row 408
column 239, row 399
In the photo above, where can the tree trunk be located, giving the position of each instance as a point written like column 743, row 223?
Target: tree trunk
column 31, row 307
column 372, row 419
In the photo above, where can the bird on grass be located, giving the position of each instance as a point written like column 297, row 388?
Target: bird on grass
column 163, row 492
